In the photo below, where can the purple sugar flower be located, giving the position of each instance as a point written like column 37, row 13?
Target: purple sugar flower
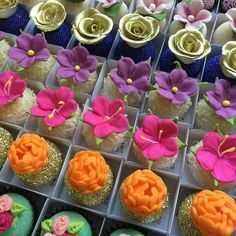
column 130, row 77
column 1, row 34
column 108, row 3
column 76, row 63
column 176, row 86
column 223, row 99
column 29, row 49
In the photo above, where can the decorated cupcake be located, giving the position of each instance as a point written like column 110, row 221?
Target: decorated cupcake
column 217, row 109
column 115, row 9
column 132, row 43
column 16, row 215
column 95, row 36
column 189, row 47
column 34, row 160
column 212, row 161
column 32, row 57
column 105, row 125
column 209, row 4
column 75, row 6
column 6, row 140
column 89, row 179
column 125, row 232
column 77, row 69
column 208, row 213
column 16, row 99
column 140, row 185
column 49, row 18
column 66, row 223
column 172, row 95
column 226, row 5
column 13, row 18
column 190, row 16
column 128, row 81
column 58, row 112
column 156, row 142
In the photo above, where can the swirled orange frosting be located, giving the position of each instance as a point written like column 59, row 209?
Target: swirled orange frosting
column 214, row 213
column 28, row 154
column 143, row 193
column 88, row 171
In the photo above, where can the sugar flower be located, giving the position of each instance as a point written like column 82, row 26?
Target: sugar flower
column 6, row 203
column 6, row 221
column 231, row 14
column 60, row 224
column 108, row 3
column 1, row 34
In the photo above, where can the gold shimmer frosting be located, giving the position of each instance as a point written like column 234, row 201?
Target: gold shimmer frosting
column 7, row 8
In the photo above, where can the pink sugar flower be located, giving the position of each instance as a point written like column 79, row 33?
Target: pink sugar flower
column 6, row 203
column 60, row 224
column 231, row 15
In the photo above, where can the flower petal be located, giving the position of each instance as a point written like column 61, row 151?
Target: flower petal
column 142, row 84
column 24, row 41
column 102, row 130
column 221, row 88
column 81, row 76
column 226, row 112
column 189, row 86
column 57, row 120
column 45, row 99
column 151, row 124
column 177, row 77
column 139, row 141
column 3, row 101
column 154, row 152
column 125, row 67
column 166, row 94
column 203, row 16
column 65, row 72
column 229, row 143
column 37, row 111
column 181, row 11
column 179, row 98
column 91, row 64
column 64, row 94
column 42, row 54
column 27, row 61
column 39, row 43
column 93, row 119
column 169, row 128
column 214, row 100
column 141, row 69
column 66, row 58
column 127, row 89
column 195, row 7
column 162, row 79
column 69, row 108
column 211, row 141
column 81, row 54
column 100, row 105
column 169, row 146
column 116, row 107
column 120, row 124
column 17, row 54
column 116, row 78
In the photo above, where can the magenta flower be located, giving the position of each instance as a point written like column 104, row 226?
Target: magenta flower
column 130, row 77
column 218, row 156
column 108, row 3
column 223, row 99
column 29, row 49
column 76, row 63
column 231, row 14
column 176, row 86
column 11, row 87
column 6, row 221
column 107, row 117
column 192, row 14
column 55, row 106
column 157, row 138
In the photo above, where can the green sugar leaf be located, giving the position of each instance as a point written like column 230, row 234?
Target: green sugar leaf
column 181, row 143
column 19, row 69
column 159, row 16
column 74, row 227
column 99, row 141
column 152, row 87
column 46, row 225
column 114, row 10
column 216, row 183
column 17, row 209
column 126, row 99
column 150, row 163
column 187, row 1
column 178, row 65
column 150, row 111
column 149, row 60
column 231, row 121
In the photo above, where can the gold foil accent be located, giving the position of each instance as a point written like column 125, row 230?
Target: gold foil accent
column 7, row 8
column 48, row 15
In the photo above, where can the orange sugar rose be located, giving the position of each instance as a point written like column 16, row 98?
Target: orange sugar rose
column 143, row 193
column 88, row 171
column 28, row 154
column 214, row 213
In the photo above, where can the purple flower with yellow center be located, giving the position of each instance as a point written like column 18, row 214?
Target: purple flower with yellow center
column 223, row 99
column 176, row 86
column 130, row 77
column 29, row 49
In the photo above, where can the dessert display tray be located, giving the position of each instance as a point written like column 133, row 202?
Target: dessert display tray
column 108, row 216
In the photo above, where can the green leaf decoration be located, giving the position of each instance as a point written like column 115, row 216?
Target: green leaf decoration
column 114, row 10
column 150, row 163
column 217, row 129
column 150, row 111
column 176, row 119
column 46, row 225
column 187, row 1
column 159, row 16
column 181, row 143
column 216, row 183
column 129, row 134
column 7, row 68
column 149, row 60
column 193, row 151
column 206, row 99
column 40, row 85
column 99, row 141
column 74, row 227
column 126, row 99
column 17, row 209
column 231, row 121
column 49, row 128
column 19, row 69
column 178, row 65
column 202, row 83
column 152, row 87
column 62, row 81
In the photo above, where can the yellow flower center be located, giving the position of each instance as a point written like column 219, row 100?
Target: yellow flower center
column 226, row 103
column 189, row 45
column 77, row 68
column 30, row 53
column 174, row 89
column 129, row 81
column 51, row 115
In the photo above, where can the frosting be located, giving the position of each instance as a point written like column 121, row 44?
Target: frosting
column 231, row 15
column 137, row 30
column 28, row 154
column 143, row 193
column 218, row 156
column 29, row 49
column 91, row 26
column 11, row 87
column 176, row 86
column 8, row 8
column 107, row 117
column 76, row 63
column 87, row 171
column 214, row 213
column 157, row 138
column 189, row 45
column 48, row 15
column 223, row 99
column 55, row 106
column 193, row 14
column 130, row 77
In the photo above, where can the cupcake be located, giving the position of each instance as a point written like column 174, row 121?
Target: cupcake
column 13, row 18
column 49, row 19
column 226, row 5
column 16, row 215
column 217, row 109
column 34, row 160
column 57, row 111
column 172, row 96
column 136, row 35
column 128, row 81
column 16, row 99
column 32, row 57
column 89, row 179
column 143, row 196
column 156, row 142
column 6, row 140
column 105, row 125
column 211, row 161
column 208, row 213
column 189, row 47
column 75, row 6
column 77, row 69
column 115, row 9
column 125, row 232
column 66, row 223
column 190, row 16
column 95, row 36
